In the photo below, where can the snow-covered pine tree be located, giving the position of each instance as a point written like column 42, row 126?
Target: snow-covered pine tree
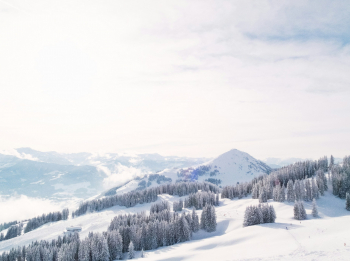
column 302, row 211
column 302, row 189
column 131, row 250
column 297, row 190
column 290, row 191
column 296, row 210
column 272, row 214
column 308, row 190
column 99, row 248
column 314, row 189
column 299, row 211
column 314, row 208
column 320, row 185
column 265, row 210
column 183, row 229
column 347, row 203
column 331, row 162
column 195, row 220
column 203, row 218
column 282, row 194
column 255, row 191
column 212, row 223
column 275, row 193
column 262, row 195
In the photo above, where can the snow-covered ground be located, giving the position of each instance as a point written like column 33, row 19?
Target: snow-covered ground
column 320, row 238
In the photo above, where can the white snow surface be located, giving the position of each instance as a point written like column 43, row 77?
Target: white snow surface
column 236, row 166
column 320, row 238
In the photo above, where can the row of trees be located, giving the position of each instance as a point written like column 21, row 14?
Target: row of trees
column 13, row 231
column 126, row 233
column 7, row 225
column 16, row 228
column 263, row 213
column 341, row 178
column 197, row 200
column 36, row 222
column 149, row 195
column 306, row 190
column 239, row 190
column 157, row 229
column 265, row 184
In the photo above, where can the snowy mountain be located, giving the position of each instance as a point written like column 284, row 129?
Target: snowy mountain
column 227, row 169
column 232, row 167
column 59, row 175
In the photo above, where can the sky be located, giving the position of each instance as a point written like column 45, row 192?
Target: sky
column 185, row 78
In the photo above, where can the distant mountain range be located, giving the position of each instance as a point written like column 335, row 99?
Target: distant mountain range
column 59, row 176
column 229, row 168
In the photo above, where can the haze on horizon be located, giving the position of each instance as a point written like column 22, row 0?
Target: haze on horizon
column 186, row 78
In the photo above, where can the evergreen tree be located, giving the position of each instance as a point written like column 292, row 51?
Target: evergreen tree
column 290, row 191
column 347, row 204
column 299, row 211
column 314, row 208
column 331, row 163
column 131, row 251
column 217, row 199
column 262, row 195
column 212, row 219
column 308, row 190
column 282, row 194
column 314, row 188
column 297, row 190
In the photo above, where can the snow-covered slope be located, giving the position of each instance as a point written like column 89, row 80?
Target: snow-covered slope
column 320, row 238
column 227, row 169
column 235, row 166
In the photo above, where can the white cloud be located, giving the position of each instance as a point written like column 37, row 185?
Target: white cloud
column 22, row 207
column 192, row 78
column 121, row 175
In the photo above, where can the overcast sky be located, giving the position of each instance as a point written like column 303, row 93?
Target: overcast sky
column 187, row 78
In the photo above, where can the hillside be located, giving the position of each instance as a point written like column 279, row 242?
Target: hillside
column 320, row 238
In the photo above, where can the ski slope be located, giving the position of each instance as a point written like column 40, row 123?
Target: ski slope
column 320, row 238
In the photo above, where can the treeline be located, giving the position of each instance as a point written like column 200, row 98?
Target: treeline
column 306, row 189
column 12, row 231
column 197, row 200
column 263, row 213
column 33, row 223
column 238, row 190
column 279, row 182
column 36, row 222
column 132, row 198
column 126, row 233
column 341, row 178
column 7, row 225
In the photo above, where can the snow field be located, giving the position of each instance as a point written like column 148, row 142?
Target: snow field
column 320, row 238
